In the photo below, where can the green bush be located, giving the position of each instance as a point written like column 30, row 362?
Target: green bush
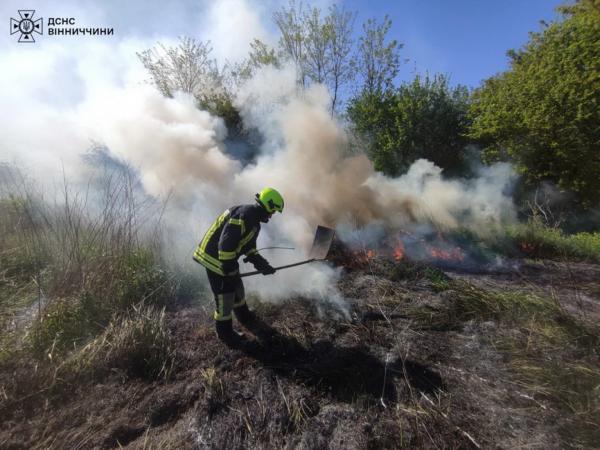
column 22, row 252
column 586, row 244
column 66, row 323
column 141, row 279
column 91, row 266
column 423, row 119
column 544, row 113
column 530, row 239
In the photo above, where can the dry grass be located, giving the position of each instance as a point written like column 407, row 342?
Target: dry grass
column 557, row 360
column 213, row 386
column 362, row 379
column 466, row 302
column 137, row 343
column 80, row 276
column 297, row 408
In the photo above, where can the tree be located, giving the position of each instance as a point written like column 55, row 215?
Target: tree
column 544, row 112
column 189, row 68
column 341, row 70
column 317, row 42
column 378, row 61
column 262, row 55
column 422, row 119
column 290, row 22
column 373, row 123
column 320, row 47
column 186, row 67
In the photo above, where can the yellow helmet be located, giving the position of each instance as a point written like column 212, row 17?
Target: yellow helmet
column 270, row 199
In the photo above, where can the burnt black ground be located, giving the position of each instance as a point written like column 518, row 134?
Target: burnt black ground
column 376, row 380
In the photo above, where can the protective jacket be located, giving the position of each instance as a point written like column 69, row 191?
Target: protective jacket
column 233, row 234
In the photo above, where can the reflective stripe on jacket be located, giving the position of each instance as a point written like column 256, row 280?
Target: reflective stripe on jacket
column 232, row 234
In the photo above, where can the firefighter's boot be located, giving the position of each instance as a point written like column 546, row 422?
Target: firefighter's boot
column 244, row 315
column 253, row 323
column 228, row 335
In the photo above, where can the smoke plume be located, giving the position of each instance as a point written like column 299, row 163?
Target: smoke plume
column 180, row 151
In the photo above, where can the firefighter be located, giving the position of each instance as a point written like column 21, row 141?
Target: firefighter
column 234, row 234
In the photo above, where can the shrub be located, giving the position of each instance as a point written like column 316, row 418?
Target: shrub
column 141, row 279
column 543, row 112
column 66, row 323
column 423, row 119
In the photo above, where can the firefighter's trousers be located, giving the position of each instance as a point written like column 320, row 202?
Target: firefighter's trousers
column 229, row 294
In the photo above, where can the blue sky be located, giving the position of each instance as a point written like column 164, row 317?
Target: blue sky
column 466, row 39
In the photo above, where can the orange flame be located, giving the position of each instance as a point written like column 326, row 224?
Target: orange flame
column 527, row 247
column 455, row 254
column 365, row 255
column 399, row 251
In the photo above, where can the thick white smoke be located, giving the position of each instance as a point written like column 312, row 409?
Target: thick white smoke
column 305, row 157
column 180, row 150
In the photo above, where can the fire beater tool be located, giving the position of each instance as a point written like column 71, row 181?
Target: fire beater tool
column 318, row 251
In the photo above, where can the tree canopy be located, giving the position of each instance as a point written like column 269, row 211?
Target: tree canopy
column 422, row 119
column 544, row 112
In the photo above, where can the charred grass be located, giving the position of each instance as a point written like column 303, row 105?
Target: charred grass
column 541, row 348
column 552, row 355
column 401, row 372
column 102, row 358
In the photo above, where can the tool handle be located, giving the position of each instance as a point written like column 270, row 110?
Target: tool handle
column 249, row 274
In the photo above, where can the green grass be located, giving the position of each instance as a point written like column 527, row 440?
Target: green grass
column 471, row 302
column 66, row 323
column 541, row 241
column 531, row 239
column 439, row 280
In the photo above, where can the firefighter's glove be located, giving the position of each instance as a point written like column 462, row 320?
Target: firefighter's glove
column 261, row 264
column 268, row 270
column 230, row 268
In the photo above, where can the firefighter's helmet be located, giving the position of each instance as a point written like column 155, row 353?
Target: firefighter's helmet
column 270, row 199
